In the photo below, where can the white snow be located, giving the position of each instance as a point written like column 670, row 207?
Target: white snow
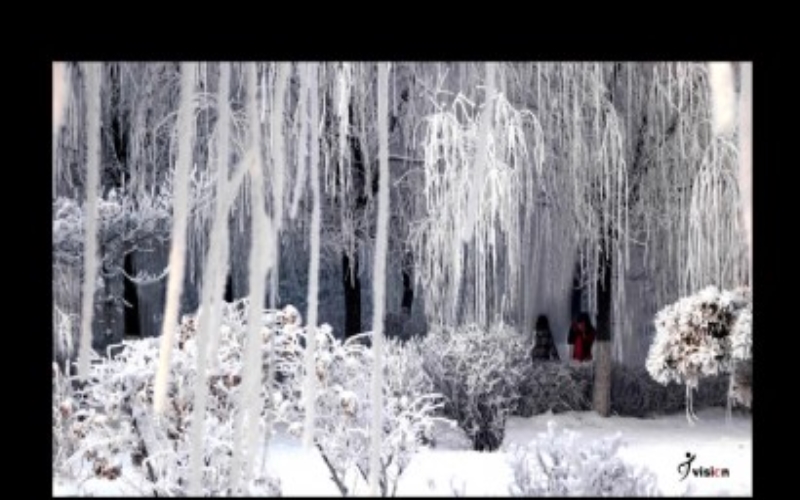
column 453, row 468
column 659, row 444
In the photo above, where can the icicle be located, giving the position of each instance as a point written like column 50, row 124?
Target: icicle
column 379, row 282
column 177, row 257
column 90, row 262
column 309, row 83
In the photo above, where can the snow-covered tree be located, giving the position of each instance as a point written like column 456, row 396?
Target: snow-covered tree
column 699, row 336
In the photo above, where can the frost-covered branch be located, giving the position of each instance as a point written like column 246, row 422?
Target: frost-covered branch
column 179, row 229
column 91, row 235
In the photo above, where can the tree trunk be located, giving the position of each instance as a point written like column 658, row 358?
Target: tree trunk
column 352, row 296
column 602, row 350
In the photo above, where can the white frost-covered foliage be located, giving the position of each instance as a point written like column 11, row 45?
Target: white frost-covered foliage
column 554, row 387
column 343, row 409
column 109, row 422
column 559, row 464
column 474, row 186
column 702, row 335
column 125, row 225
column 479, row 372
column 695, row 336
column 124, row 221
column 107, row 430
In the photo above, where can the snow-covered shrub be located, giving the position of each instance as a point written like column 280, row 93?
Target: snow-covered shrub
column 701, row 335
column 106, row 427
column 89, row 442
column 634, row 393
column 479, row 372
column 555, row 387
column 559, row 387
column 109, row 419
column 558, row 463
column 343, row 408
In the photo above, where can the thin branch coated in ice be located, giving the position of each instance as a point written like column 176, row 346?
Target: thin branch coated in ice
column 379, row 283
column 92, row 71
column 179, row 225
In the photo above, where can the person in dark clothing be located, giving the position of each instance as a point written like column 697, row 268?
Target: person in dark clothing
column 581, row 337
column 545, row 348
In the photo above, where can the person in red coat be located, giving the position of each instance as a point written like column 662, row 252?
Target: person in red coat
column 581, row 337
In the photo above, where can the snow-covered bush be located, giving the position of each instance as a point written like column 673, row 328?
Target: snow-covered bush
column 108, row 422
column 106, row 428
column 343, row 408
column 558, row 463
column 559, row 387
column 702, row 335
column 555, row 387
column 480, row 374
column 634, row 393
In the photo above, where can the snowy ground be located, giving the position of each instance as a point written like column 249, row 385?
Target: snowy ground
column 660, row 444
column 452, row 468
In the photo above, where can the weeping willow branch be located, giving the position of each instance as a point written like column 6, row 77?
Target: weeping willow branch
column 461, row 243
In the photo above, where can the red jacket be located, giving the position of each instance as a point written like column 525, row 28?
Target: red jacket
column 581, row 341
